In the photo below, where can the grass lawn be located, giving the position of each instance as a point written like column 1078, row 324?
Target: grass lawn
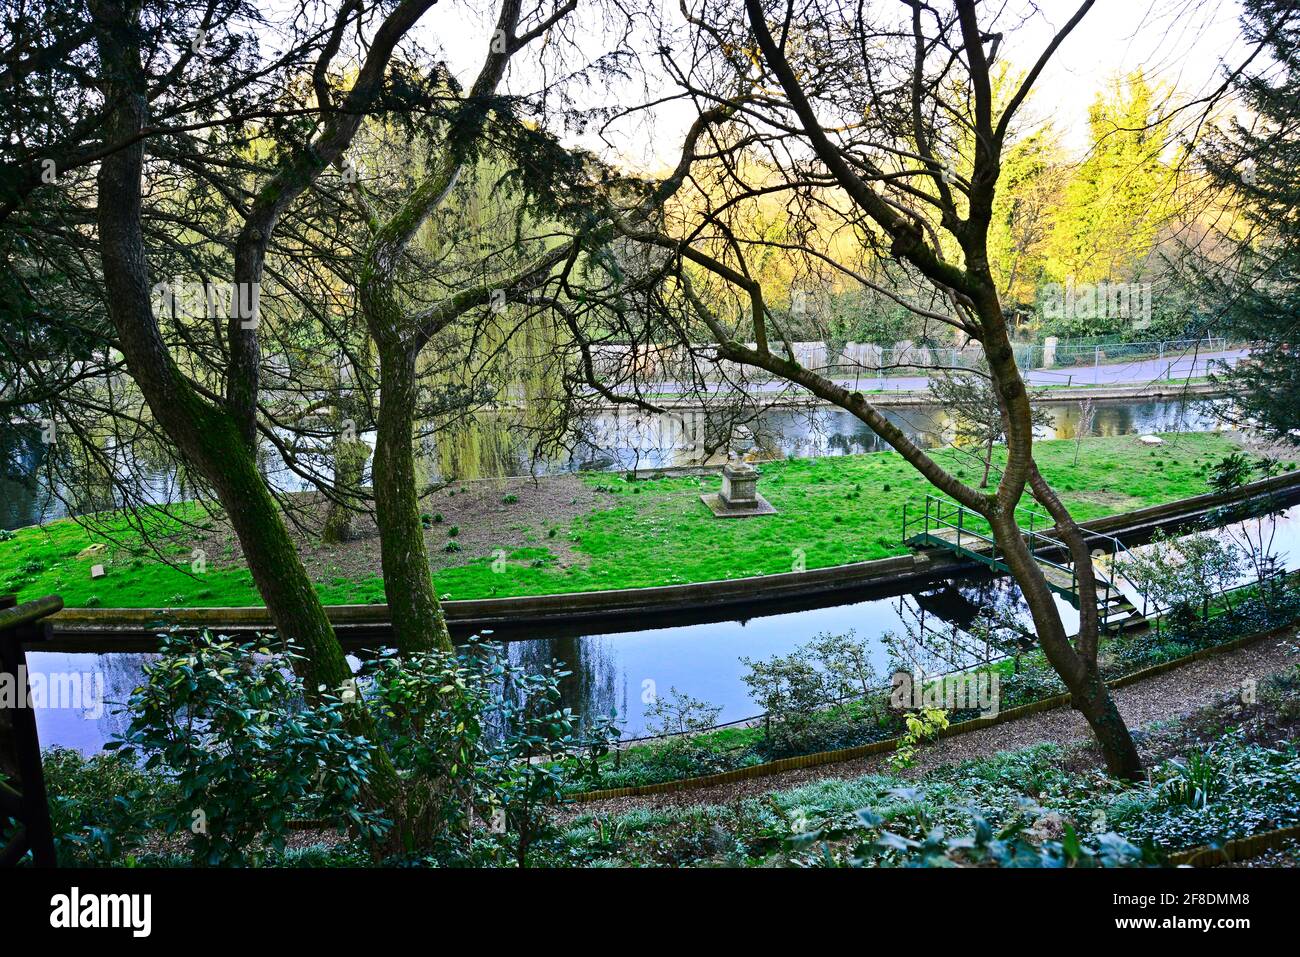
column 637, row 534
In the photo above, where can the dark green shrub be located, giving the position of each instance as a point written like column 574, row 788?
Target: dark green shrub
column 225, row 724
column 490, row 741
column 100, row 807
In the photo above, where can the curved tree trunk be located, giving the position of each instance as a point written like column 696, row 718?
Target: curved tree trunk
column 206, row 435
column 976, row 312
column 1077, row 668
column 218, row 437
column 1076, row 663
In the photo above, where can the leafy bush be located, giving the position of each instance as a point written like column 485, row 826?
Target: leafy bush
column 228, row 727
column 224, row 750
column 983, row 846
column 480, row 741
column 790, row 688
column 922, row 726
column 1193, row 783
column 1181, row 574
column 1030, row 683
column 830, row 732
column 677, row 713
column 100, row 807
column 681, row 759
column 1230, row 789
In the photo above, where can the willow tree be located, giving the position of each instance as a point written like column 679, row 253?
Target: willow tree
column 866, row 111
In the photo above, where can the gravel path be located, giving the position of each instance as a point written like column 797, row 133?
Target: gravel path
column 1163, row 697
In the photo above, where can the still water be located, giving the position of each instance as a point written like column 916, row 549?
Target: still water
column 490, row 449
column 622, row 670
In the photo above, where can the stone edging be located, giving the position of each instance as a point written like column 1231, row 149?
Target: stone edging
column 1238, row 849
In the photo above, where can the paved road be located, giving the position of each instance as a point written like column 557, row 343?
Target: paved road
column 1137, row 372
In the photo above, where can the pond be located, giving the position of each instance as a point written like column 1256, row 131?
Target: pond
column 622, row 670
column 603, row 442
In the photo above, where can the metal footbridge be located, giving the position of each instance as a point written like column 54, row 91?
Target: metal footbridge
column 947, row 525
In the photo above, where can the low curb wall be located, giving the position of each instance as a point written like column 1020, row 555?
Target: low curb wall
column 359, row 622
column 1238, row 849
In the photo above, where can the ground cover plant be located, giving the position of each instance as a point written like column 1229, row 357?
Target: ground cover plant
column 1230, row 770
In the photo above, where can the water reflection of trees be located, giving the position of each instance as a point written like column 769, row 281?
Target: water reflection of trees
column 595, row 685
column 958, row 624
column 21, row 497
column 122, row 673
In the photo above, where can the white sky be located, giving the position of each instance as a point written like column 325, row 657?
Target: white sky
column 1178, row 43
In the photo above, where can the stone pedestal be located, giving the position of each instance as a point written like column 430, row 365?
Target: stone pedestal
column 739, row 496
column 739, row 483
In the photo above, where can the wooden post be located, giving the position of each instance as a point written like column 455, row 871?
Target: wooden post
column 27, row 804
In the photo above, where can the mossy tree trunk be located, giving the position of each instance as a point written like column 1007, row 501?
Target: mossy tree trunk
column 207, row 435
column 350, row 457
column 400, row 335
column 413, row 606
column 218, row 438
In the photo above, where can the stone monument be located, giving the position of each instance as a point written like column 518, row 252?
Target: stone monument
column 739, row 496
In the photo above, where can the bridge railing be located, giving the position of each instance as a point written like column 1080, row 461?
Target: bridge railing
column 971, row 532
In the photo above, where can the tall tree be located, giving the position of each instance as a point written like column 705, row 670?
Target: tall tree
column 401, row 333
column 559, row 206
column 1255, row 293
column 868, row 113
column 1119, row 197
column 217, row 433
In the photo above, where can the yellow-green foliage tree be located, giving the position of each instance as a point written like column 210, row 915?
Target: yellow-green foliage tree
column 1119, row 198
column 1034, row 176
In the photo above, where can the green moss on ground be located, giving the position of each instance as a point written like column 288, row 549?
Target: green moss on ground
column 831, row 511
